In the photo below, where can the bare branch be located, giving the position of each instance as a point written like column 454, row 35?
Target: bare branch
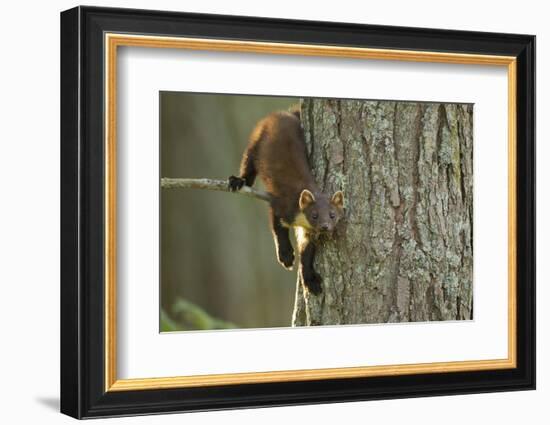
column 210, row 184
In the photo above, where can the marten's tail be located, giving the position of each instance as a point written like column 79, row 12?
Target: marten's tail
column 296, row 111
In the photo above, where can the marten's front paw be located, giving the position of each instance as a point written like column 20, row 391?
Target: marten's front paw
column 312, row 282
column 235, row 183
column 286, row 258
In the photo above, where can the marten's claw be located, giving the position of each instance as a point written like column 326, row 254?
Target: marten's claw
column 313, row 283
column 286, row 258
column 235, row 183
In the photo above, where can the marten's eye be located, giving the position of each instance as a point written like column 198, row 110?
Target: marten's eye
column 315, row 216
column 332, row 215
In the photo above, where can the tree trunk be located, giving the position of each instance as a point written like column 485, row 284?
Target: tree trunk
column 403, row 251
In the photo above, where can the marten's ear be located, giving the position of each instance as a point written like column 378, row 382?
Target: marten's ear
column 306, row 198
column 338, row 199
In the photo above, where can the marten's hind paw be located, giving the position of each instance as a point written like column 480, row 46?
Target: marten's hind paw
column 313, row 283
column 235, row 183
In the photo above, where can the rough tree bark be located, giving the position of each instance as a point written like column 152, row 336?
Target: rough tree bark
column 403, row 252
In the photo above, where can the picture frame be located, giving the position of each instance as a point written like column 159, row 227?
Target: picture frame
column 90, row 39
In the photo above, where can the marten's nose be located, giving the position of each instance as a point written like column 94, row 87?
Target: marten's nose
column 324, row 227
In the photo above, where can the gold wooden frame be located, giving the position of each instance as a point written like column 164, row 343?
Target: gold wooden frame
column 113, row 41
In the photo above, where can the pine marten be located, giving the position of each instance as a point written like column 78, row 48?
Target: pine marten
column 277, row 153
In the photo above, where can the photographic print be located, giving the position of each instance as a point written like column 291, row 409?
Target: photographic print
column 323, row 193
column 285, row 211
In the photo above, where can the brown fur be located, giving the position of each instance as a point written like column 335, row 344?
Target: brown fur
column 277, row 153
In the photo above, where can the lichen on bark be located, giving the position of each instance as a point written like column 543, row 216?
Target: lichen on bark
column 403, row 251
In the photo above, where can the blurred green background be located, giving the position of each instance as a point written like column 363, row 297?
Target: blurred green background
column 218, row 263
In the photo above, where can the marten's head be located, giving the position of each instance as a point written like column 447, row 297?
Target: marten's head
column 321, row 212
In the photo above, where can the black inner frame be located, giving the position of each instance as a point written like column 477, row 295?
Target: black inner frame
column 82, row 212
